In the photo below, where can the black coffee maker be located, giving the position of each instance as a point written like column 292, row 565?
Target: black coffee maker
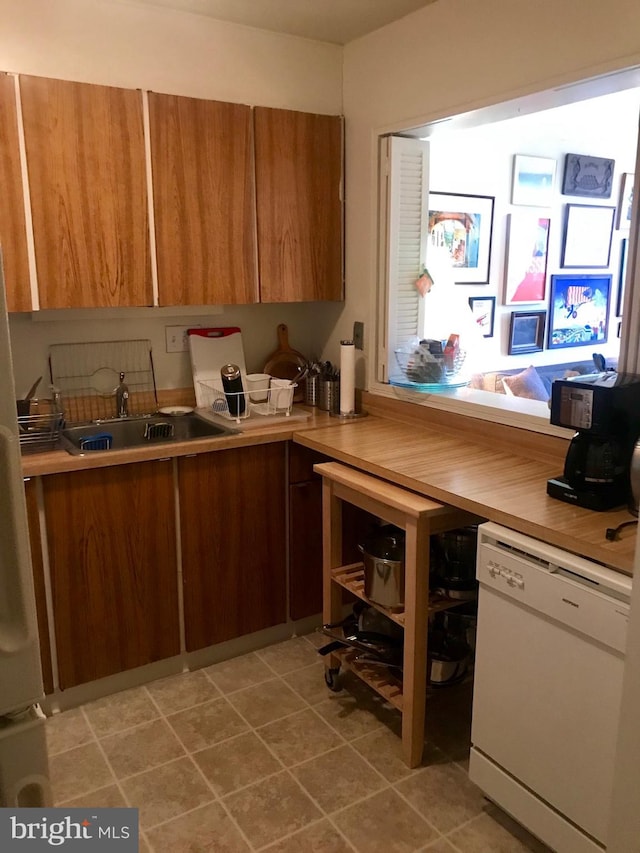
column 604, row 408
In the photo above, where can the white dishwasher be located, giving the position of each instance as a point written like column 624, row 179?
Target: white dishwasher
column 547, row 687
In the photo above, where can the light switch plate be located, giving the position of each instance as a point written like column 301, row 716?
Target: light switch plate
column 176, row 338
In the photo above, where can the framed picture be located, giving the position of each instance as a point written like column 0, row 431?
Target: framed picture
column 622, row 275
column 587, row 176
column 526, row 331
column 533, row 180
column 587, row 235
column 526, row 271
column 579, row 310
column 462, row 225
column 483, row 309
column 623, row 216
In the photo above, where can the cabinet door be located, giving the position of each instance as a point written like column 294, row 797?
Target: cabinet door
column 232, row 523
column 204, row 201
column 305, row 548
column 112, row 551
column 33, row 520
column 13, row 234
column 87, row 178
column 298, row 178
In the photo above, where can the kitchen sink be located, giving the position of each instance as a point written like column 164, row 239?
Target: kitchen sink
column 123, row 433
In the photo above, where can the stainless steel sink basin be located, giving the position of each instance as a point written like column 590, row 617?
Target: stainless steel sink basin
column 125, row 433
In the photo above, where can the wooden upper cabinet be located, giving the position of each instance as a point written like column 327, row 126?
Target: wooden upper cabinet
column 299, row 209
column 87, row 179
column 203, row 198
column 13, row 234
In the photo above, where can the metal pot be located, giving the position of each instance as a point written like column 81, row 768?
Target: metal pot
column 383, row 558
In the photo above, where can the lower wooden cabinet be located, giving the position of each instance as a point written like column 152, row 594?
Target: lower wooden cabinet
column 112, row 551
column 233, row 537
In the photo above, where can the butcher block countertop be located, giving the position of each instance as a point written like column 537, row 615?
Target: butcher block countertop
column 498, row 473
column 487, row 477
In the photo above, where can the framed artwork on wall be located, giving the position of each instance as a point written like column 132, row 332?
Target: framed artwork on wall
column 587, row 176
column 579, row 310
column 533, row 180
column 526, row 332
column 622, row 275
column 625, row 203
column 587, row 236
column 526, row 258
column 461, row 227
column 483, row 309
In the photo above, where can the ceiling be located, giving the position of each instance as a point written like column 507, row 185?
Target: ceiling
column 337, row 21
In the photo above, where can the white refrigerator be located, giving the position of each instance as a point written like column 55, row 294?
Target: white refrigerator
column 23, row 753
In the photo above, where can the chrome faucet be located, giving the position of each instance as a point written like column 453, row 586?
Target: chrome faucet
column 122, row 399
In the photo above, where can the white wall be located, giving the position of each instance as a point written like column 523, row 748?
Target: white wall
column 138, row 46
column 446, row 59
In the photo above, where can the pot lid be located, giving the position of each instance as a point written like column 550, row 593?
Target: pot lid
column 386, row 543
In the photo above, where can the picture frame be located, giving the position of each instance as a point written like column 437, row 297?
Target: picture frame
column 483, row 309
column 588, row 229
column 589, row 176
column 533, row 180
column 526, row 258
column 625, row 202
column 462, row 226
column 622, row 275
column 526, row 332
column 578, row 310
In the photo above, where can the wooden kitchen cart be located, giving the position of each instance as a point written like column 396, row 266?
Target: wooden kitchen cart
column 419, row 517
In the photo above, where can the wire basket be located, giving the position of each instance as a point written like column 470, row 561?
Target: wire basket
column 424, row 367
column 40, row 429
column 236, row 406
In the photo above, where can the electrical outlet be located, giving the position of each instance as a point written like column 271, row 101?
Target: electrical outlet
column 358, row 335
column 176, row 337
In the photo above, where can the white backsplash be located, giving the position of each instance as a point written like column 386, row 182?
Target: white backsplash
column 310, row 325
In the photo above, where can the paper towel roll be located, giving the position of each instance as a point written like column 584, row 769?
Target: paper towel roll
column 347, row 378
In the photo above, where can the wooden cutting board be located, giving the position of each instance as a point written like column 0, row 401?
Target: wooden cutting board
column 286, row 362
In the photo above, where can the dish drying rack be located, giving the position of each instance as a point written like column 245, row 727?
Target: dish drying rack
column 87, row 375
column 279, row 401
column 40, row 429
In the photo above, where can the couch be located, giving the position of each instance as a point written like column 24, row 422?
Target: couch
column 534, row 382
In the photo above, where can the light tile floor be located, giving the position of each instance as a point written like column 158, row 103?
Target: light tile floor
column 257, row 754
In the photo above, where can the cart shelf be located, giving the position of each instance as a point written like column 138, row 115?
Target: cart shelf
column 351, row 578
column 377, row 677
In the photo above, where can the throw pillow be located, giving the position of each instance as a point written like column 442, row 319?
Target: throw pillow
column 493, row 382
column 526, row 384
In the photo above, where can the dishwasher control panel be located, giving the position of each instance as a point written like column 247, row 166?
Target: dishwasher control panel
column 512, row 578
column 572, row 592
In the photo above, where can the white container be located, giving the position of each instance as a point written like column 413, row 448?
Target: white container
column 281, row 395
column 257, row 384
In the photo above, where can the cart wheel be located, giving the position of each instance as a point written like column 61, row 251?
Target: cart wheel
column 332, row 679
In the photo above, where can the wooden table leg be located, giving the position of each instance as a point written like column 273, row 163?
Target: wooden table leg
column 331, row 558
column 414, row 681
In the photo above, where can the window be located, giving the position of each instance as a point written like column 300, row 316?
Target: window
column 476, row 159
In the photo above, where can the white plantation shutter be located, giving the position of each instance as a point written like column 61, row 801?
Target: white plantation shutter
column 404, row 209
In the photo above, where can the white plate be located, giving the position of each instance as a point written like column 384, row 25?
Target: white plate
column 174, row 411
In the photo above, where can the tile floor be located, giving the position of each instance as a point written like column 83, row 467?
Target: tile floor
column 256, row 754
